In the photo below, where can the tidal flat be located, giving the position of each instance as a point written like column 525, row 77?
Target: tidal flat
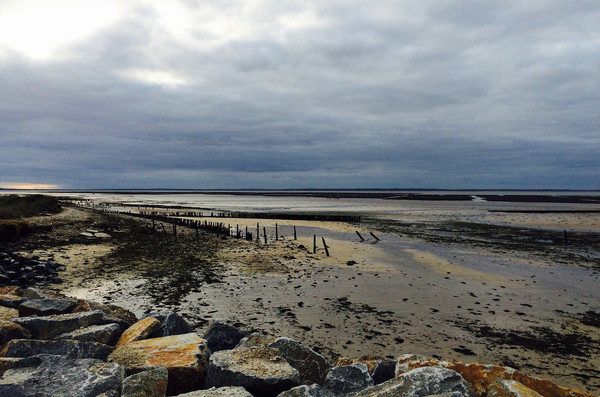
column 477, row 286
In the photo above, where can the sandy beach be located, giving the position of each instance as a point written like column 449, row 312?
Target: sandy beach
column 435, row 283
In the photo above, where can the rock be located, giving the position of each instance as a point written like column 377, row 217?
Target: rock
column 511, row 388
column 102, row 235
column 260, row 370
column 33, row 293
column 46, row 307
column 10, row 331
column 348, row 379
column 219, row 392
column 112, row 313
column 8, row 313
column 384, row 370
column 481, row 376
column 50, row 326
column 87, row 234
column 106, row 334
column 9, row 300
column 7, row 363
column 71, row 348
column 255, row 339
column 11, row 290
column 312, row 366
column 221, row 336
column 171, row 323
column 151, row 383
column 61, row 376
column 184, row 356
column 422, row 382
column 307, row 391
column 381, row 370
column 140, row 330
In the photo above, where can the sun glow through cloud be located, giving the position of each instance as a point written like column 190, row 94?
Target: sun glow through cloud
column 28, row 186
column 38, row 28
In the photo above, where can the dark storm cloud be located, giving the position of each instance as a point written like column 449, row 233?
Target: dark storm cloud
column 325, row 94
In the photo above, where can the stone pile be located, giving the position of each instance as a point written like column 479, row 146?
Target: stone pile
column 57, row 346
column 27, row 270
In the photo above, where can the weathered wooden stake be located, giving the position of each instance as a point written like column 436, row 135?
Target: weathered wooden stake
column 276, row 233
column 237, row 231
column 325, row 246
column 314, row 244
column 361, row 237
column 566, row 239
column 174, row 230
column 265, row 232
column 257, row 232
column 376, row 238
column 295, row 237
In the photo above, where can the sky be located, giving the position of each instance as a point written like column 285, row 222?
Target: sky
column 273, row 94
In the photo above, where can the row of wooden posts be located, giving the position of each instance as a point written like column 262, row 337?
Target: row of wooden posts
column 220, row 228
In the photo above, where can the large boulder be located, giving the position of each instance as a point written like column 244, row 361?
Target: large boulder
column 307, row 391
column 312, row 366
column 481, row 377
column 61, row 376
column 348, row 379
column 106, row 334
column 70, row 348
column 221, row 336
column 46, row 307
column 381, row 369
column 50, row 326
column 171, row 323
column 260, row 370
column 422, row 382
column 140, row 330
column 152, row 383
column 10, row 331
column 184, row 356
column 219, row 392
column 511, row 388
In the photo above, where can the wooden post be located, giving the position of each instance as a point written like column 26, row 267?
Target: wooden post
column 246, row 232
column 276, row 233
column 237, row 231
column 257, row 232
column 314, row 243
column 174, row 230
column 295, row 237
column 325, row 246
column 265, row 232
column 361, row 237
column 374, row 236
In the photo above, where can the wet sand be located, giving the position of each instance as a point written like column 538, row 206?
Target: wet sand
column 401, row 294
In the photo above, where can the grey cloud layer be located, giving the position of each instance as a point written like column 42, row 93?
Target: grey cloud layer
column 329, row 94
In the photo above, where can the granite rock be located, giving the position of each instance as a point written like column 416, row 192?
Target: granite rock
column 184, row 356
column 60, row 376
column 307, row 391
column 221, row 336
column 70, row 348
column 50, row 326
column 151, row 383
column 312, row 366
column 260, row 370
column 348, row 379
column 138, row 331
column 106, row 334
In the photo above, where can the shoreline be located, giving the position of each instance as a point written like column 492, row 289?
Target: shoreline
column 402, row 294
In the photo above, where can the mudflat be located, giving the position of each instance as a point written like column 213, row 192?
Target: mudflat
column 490, row 287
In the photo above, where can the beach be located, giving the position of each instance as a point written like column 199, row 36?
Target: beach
column 443, row 279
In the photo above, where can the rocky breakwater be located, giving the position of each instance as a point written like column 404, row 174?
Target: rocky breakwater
column 27, row 270
column 58, row 346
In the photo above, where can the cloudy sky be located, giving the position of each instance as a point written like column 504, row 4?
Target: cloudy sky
column 300, row 94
